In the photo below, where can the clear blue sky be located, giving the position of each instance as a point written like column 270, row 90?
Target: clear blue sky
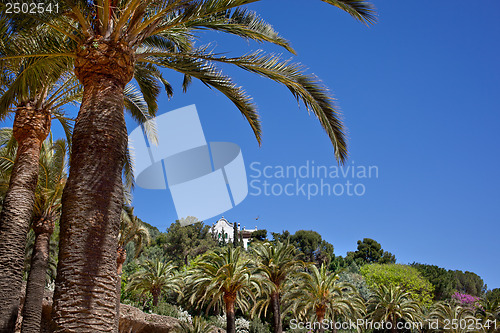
column 420, row 96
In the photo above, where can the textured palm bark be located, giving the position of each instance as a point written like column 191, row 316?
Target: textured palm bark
column 229, row 300
column 32, row 309
column 85, row 294
column 275, row 303
column 30, row 128
column 320, row 315
column 156, row 292
column 121, row 256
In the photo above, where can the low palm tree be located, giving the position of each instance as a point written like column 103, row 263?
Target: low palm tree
column 155, row 276
column 223, row 277
column 488, row 312
column 198, row 325
column 451, row 317
column 132, row 230
column 276, row 263
column 392, row 304
column 319, row 293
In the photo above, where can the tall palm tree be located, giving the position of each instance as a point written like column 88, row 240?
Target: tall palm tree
column 33, row 115
column 46, row 211
column 392, row 304
column 37, row 93
column 155, row 276
column 319, row 294
column 276, row 263
column 108, row 40
column 225, row 277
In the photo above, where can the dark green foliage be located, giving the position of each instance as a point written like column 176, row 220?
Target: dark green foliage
column 281, row 237
column 235, row 235
column 153, row 231
column 309, row 243
column 185, row 242
column 260, row 235
column 370, row 251
column 338, row 263
column 442, row 280
column 314, row 248
column 492, row 295
column 257, row 326
column 469, row 283
column 222, row 238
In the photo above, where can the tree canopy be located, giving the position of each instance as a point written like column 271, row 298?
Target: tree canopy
column 442, row 280
column 370, row 251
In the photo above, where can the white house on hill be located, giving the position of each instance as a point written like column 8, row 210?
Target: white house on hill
column 224, row 228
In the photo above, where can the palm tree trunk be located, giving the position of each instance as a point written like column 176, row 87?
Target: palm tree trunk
column 156, row 297
column 121, row 256
column 32, row 310
column 85, row 292
column 275, row 302
column 31, row 127
column 229, row 300
column 393, row 327
column 320, row 315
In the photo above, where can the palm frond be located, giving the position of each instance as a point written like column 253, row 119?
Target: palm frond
column 211, row 76
column 361, row 10
column 139, row 110
column 243, row 23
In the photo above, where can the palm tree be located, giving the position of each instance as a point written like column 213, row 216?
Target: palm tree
column 33, row 115
column 38, row 94
column 392, row 304
column 46, row 211
column 222, row 277
column 451, row 317
column 198, row 325
column 275, row 263
column 132, row 230
column 318, row 293
column 488, row 312
column 155, row 276
column 109, row 40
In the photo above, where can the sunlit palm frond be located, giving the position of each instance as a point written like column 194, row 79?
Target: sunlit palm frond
column 212, row 76
column 361, row 10
column 243, row 23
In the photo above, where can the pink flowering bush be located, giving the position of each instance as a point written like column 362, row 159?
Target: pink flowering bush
column 465, row 299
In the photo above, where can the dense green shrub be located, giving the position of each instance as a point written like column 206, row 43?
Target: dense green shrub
column 404, row 276
column 257, row 326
